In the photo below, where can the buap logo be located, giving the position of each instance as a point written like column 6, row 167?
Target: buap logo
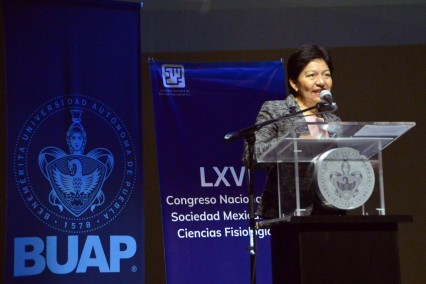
column 76, row 179
column 173, row 75
column 71, row 190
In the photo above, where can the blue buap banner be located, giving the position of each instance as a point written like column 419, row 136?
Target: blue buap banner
column 74, row 187
column 204, row 194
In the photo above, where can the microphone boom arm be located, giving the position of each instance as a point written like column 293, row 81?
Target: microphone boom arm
column 246, row 132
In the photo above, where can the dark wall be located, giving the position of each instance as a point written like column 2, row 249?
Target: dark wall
column 370, row 84
column 217, row 25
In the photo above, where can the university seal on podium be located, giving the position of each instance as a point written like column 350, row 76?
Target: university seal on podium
column 344, row 178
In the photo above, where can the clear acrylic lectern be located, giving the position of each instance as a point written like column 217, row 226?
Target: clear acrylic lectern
column 347, row 162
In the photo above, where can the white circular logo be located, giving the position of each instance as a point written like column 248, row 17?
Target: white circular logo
column 344, row 178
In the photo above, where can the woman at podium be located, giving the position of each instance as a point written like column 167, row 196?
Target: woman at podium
column 309, row 71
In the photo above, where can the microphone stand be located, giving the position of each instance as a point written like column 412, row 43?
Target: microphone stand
column 250, row 138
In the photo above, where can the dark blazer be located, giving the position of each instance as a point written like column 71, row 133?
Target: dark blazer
column 269, row 135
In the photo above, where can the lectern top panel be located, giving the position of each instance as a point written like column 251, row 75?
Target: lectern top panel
column 367, row 137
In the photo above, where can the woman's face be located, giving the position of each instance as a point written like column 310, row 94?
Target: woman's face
column 313, row 79
column 76, row 140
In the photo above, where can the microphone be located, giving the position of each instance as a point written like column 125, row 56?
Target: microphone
column 232, row 136
column 328, row 103
column 326, row 96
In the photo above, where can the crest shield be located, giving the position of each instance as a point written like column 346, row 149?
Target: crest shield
column 76, row 181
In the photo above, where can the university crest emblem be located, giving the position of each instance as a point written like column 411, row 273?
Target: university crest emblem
column 344, row 178
column 76, row 179
column 65, row 186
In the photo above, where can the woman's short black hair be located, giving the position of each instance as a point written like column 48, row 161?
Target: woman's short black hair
column 301, row 57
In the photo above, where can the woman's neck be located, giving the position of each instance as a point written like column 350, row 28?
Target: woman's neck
column 303, row 106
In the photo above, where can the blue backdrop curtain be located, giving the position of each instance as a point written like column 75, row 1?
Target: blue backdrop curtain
column 74, row 187
column 202, row 180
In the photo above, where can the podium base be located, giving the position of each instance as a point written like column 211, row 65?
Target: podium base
column 336, row 249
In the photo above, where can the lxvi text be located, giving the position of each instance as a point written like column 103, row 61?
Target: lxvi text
column 216, row 177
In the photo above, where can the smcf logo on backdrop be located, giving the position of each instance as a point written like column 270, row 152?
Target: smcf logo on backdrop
column 83, row 196
column 173, row 75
